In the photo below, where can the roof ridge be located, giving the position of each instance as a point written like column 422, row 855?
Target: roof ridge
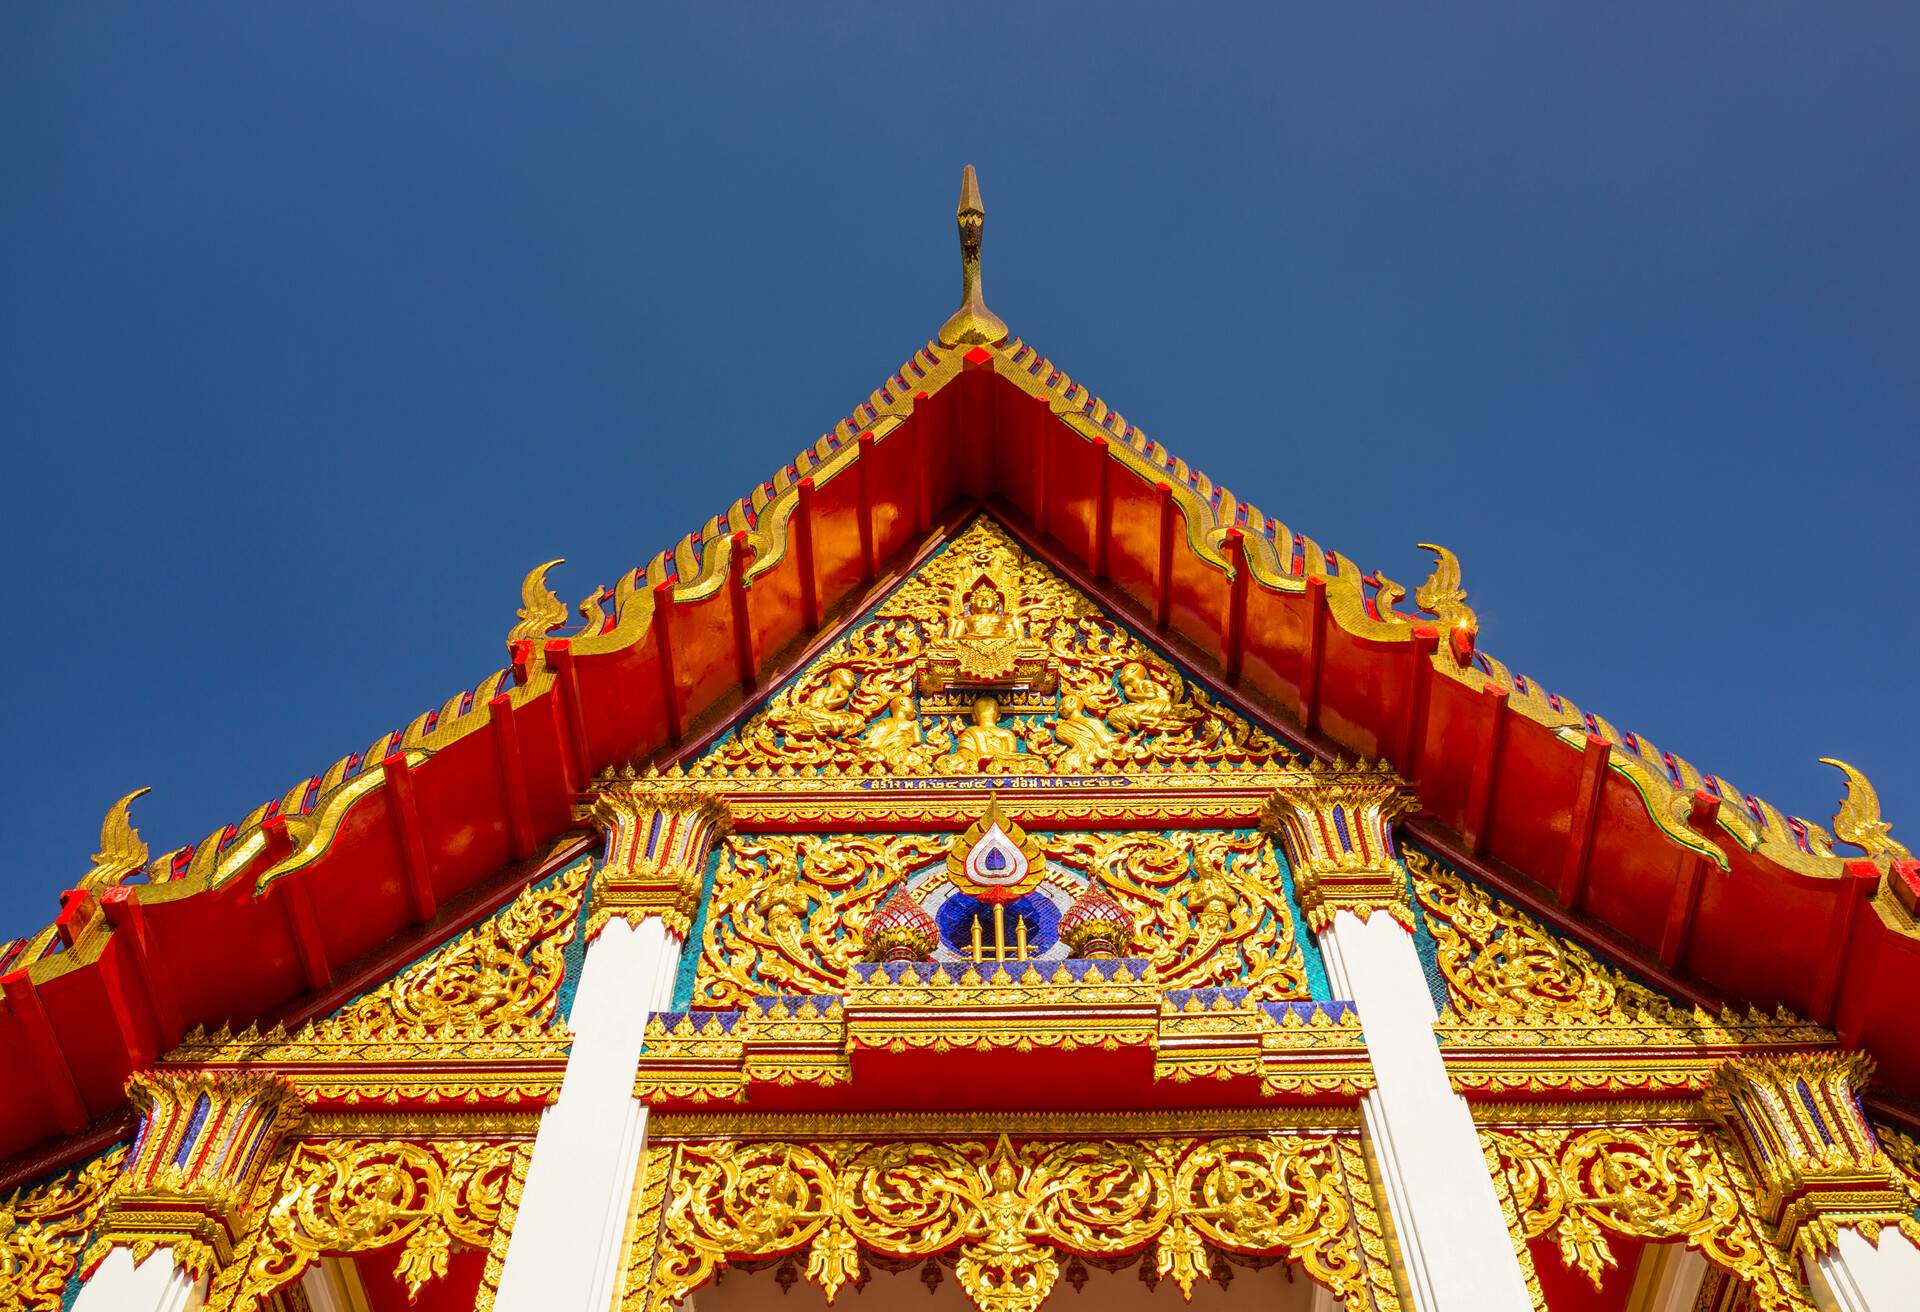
column 700, row 561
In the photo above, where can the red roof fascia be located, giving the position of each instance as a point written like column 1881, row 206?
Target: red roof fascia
column 700, row 632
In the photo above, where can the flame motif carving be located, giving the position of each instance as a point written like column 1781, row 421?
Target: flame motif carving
column 1858, row 819
column 1008, row 1210
column 540, row 610
column 43, row 1227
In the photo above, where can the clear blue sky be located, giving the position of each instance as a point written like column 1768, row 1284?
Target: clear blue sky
column 320, row 324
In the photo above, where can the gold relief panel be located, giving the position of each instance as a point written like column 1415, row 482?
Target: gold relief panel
column 788, row 913
column 347, row 1197
column 1006, row 1211
column 985, row 662
column 1577, row 1186
column 492, row 995
column 43, row 1226
column 1498, row 963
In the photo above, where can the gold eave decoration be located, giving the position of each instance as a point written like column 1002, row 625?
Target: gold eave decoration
column 1298, row 1051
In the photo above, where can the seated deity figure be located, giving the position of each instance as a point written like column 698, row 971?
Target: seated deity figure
column 897, row 734
column 984, row 742
column 1086, row 737
column 1151, row 704
column 986, row 615
column 821, row 710
column 983, row 641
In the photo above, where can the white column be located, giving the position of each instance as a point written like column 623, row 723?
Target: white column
column 565, row 1247
column 1859, row 1276
column 1668, row 1279
column 1454, row 1246
column 158, row 1284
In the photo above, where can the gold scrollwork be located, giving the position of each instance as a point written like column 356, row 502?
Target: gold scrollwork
column 347, row 1196
column 1499, row 964
column 1005, row 1210
column 498, row 983
column 1209, row 907
column 1576, row 1186
column 42, row 1228
column 788, row 913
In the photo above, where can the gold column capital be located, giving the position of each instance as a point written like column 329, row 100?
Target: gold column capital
column 1334, row 823
column 1816, row 1163
column 206, row 1139
column 660, row 832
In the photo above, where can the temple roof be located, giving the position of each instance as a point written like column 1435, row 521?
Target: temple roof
column 1713, row 894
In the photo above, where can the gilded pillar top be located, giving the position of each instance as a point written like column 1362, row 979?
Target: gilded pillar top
column 1816, row 1162
column 1335, row 823
column 660, row 832
column 205, row 1141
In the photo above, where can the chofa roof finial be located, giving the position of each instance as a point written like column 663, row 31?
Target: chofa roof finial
column 973, row 324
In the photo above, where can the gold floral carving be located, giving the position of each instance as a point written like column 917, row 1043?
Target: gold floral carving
column 42, row 1228
column 788, row 912
column 1577, row 1186
column 1499, row 964
column 490, row 996
column 1209, row 907
column 348, row 1197
column 956, row 674
column 1006, row 1210
column 1530, row 1011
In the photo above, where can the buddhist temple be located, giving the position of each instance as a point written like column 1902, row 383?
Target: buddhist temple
column 989, row 866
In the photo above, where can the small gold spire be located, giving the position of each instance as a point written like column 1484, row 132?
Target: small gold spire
column 973, row 324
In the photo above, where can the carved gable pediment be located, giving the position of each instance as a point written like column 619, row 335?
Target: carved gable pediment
column 984, row 662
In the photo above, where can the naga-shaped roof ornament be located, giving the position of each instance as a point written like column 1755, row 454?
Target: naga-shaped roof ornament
column 1858, row 819
column 973, row 324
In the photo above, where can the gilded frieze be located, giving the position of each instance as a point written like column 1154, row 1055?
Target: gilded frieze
column 1006, row 1212
column 788, row 913
column 490, row 995
column 1660, row 1182
column 985, row 662
column 346, row 1197
column 42, row 1229
column 1498, row 963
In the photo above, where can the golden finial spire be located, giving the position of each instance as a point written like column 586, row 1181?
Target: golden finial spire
column 973, row 324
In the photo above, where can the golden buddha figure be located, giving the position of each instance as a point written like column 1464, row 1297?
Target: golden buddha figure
column 984, row 743
column 983, row 640
column 896, row 737
column 821, row 709
column 985, row 615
